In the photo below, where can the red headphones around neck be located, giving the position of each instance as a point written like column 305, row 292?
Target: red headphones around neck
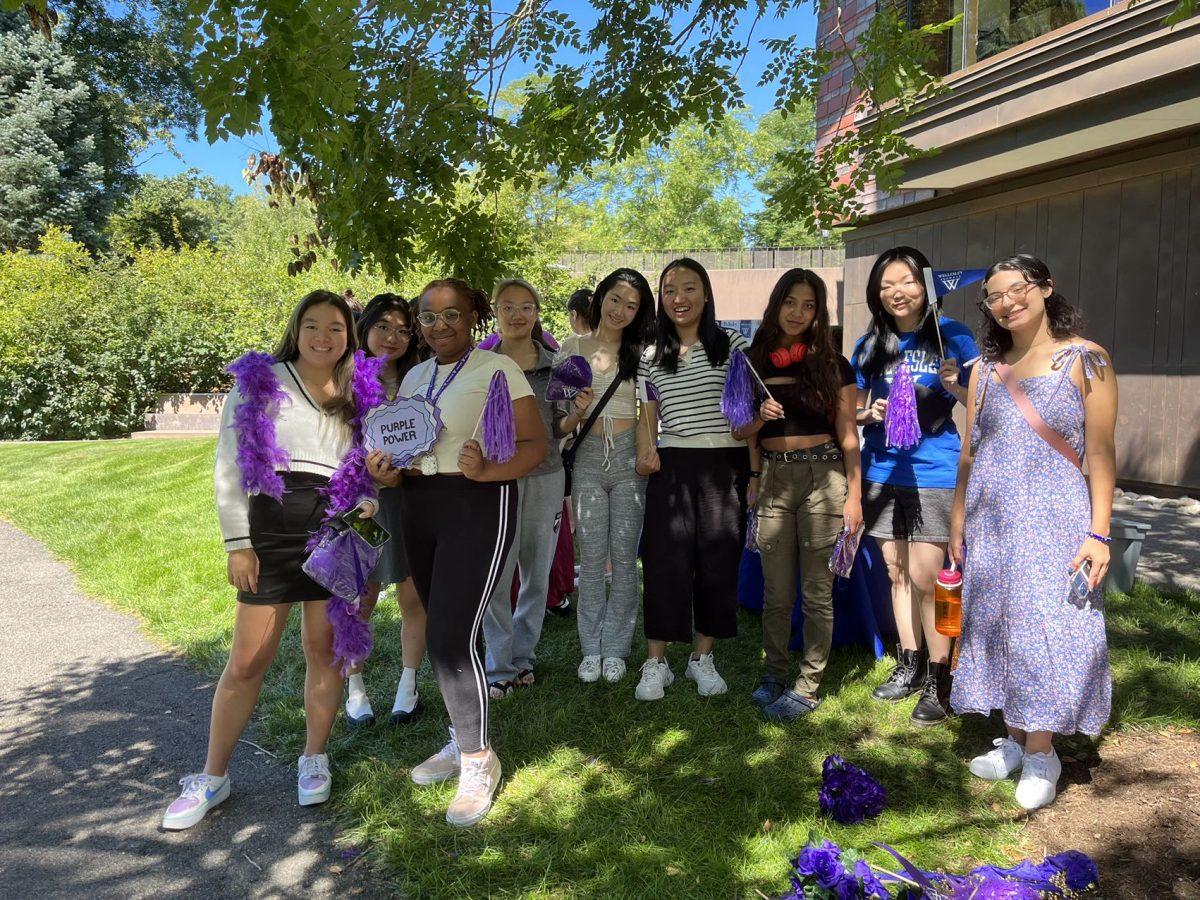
column 788, row 356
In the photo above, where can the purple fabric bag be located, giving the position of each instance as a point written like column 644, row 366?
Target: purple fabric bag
column 841, row 562
column 341, row 562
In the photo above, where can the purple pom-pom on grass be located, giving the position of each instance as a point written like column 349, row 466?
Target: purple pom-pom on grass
column 737, row 400
column 849, row 793
column 900, row 421
column 499, row 423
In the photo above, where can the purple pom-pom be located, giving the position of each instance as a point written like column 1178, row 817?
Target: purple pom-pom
column 499, row 424
column 900, row 421
column 849, row 793
column 351, row 635
column 259, row 457
column 737, row 400
column 568, row 378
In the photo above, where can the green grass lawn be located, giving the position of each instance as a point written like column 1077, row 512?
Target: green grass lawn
column 603, row 796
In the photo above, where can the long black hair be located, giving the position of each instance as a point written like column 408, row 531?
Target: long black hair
column 818, row 376
column 882, row 345
column 381, row 305
column 637, row 333
column 1062, row 319
column 666, row 340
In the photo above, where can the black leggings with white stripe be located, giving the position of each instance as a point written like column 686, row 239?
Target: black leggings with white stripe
column 457, row 533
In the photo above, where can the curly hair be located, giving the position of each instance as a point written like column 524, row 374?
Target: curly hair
column 477, row 299
column 1062, row 319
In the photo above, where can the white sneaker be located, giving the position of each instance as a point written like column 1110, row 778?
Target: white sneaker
column 313, row 781
column 442, row 766
column 200, row 794
column 703, row 671
column 998, row 764
column 477, row 783
column 1039, row 779
column 358, row 704
column 656, row 677
column 614, row 669
column 589, row 669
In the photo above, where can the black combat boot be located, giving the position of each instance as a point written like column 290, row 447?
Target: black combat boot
column 906, row 679
column 933, row 707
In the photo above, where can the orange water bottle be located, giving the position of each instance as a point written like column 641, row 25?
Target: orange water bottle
column 947, row 602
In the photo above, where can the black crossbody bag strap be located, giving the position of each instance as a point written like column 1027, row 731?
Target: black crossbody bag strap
column 569, row 453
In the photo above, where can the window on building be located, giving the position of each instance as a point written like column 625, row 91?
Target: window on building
column 989, row 27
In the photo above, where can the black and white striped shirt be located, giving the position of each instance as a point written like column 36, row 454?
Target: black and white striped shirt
column 689, row 401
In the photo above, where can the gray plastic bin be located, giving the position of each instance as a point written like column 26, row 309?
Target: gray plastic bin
column 1127, row 538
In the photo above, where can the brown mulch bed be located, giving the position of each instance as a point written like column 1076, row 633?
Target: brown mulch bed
column 1135, row 809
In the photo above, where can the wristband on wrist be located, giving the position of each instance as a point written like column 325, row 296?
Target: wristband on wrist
column 1099, row 537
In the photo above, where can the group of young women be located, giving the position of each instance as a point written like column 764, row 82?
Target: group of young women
column 654, row 468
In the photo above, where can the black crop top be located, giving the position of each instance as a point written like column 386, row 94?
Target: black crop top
column 802, row 410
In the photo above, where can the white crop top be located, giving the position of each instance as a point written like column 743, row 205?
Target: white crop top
column 623, row 403
column 463, row 400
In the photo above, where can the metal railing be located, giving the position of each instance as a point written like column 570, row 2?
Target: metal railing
column 650, row 262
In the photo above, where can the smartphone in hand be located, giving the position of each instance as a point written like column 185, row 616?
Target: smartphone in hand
column 1081, row 585
column 368, row 529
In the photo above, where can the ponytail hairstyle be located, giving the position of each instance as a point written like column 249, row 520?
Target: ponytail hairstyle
column 1062, row 319
column 536, row 332
column 818, row 375
column 341, row 404
column 882, row 345
column 581, row 304
column 637, row 333
column 381, row 305
column 477, row 299
column 714, row 338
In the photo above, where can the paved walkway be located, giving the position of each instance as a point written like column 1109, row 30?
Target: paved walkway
column 1171, row 553
column 96, row 726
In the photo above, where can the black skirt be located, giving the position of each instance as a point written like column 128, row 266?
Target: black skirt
column 279, row 533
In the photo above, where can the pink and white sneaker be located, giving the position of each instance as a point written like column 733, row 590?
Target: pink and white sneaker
column 200, row 794
column 313, row 781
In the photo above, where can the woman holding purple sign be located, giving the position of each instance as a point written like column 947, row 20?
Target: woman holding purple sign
column 608, row 492
column 459, row 500
column 385, row 329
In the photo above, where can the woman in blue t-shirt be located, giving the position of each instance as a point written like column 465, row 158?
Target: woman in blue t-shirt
column 908, row 493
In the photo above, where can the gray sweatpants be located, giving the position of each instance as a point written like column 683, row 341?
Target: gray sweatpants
column 512, row 635
column 609, row 506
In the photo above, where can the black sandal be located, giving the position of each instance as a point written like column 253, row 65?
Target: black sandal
column 498, row 690
column 523, row 675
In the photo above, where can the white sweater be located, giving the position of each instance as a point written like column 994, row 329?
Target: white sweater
column 314, row 440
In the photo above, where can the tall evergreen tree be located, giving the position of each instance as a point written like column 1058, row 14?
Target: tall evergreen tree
column 50, row 170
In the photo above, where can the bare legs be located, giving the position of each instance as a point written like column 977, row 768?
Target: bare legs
column 913, row 568
column 257, row 631
column 412, row 620
column 703, row 644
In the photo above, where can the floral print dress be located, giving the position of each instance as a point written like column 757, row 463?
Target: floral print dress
column 1025, row 649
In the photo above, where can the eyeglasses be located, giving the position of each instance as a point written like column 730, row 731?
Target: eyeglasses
column 508, row 310
column 450, row 316
column 386, row 331
column 1013, row 292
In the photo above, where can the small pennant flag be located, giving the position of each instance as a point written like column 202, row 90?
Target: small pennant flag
column 947, row 280
column 646, row 391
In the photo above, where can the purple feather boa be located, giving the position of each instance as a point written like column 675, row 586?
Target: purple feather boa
column 900, row 420
column 259, row 457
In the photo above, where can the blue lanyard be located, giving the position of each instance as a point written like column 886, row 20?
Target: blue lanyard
column 433, row 397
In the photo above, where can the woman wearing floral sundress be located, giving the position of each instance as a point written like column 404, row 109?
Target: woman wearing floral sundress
column 1025, row 519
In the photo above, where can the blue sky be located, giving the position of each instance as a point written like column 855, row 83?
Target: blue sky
column 226, row 159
